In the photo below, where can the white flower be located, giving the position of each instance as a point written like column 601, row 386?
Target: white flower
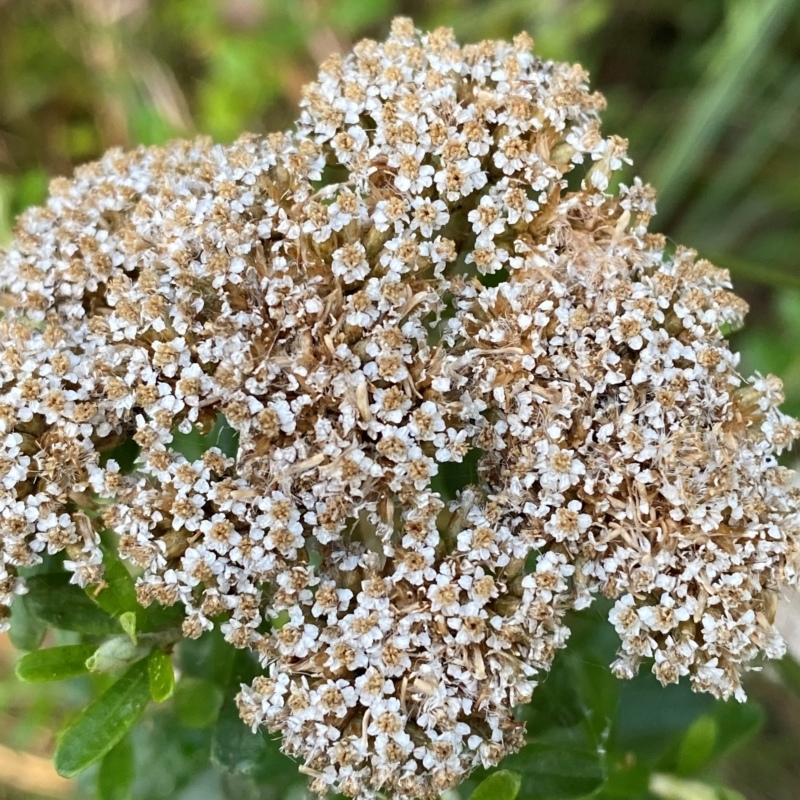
column 350, row 263
column 428, row 215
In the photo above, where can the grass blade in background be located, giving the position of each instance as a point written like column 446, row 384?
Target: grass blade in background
column 741, row 269
column 740, row 50
column 772, row 122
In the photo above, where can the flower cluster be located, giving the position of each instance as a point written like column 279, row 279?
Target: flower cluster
column 409, row 281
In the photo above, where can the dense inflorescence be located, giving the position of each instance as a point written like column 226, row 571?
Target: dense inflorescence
column 407, row 282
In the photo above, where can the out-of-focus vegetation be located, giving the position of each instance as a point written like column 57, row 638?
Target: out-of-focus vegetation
column 708, row 93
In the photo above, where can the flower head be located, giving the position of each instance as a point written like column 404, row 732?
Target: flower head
column 345, row 330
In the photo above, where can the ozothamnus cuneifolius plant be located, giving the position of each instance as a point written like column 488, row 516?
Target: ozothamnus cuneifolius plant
column 434, row 269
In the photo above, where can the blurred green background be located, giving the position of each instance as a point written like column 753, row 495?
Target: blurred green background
column 707, row 92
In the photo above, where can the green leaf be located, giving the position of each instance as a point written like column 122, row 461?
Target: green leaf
column 27, row 631
column 697, row 746
column 192, row 445
column 54, row 600
column 125, row 454
column 234, row 747
column 158, row 618
column 239, row 751
column 558, row 701
column 168, row 755
column 127, row 620
column 197, row 702
column 118, row 598
column 115, row 776
column 559, row 766
column 225, row 437
column 502, row 785
column 55, row 663
column 117, row 593
column 626, row 779
column 100, row 726
column 210, row 657
column 736, row 724
column 162, row 676
column 653, row 718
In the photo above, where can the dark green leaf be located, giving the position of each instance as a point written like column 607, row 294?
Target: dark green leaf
column 117, row 593
column 239, row 751
column 559, row 766
column 168, row 755
column 100, row 726
column 158, row 618
column 55, row 663
column 234, row 747
column 118, row 597
column 115, row 776
column 53, row 599
column 626, row 779
column 225, row 437
column 125, row 454
column 162, row 676
column 736, row 724
column 502, row 785
column 197, row 702
column 557, row 701
column 192, row 445
column 210, row 657
column 697, row 746
column 27, row 631
column 652, row 718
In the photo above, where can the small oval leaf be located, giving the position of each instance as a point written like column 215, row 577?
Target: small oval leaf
column 697, row 745
column 55, row 663
column 162, row 676
column 502, row 785
column 27, row 630
column 128, row 622
column 100, row 726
